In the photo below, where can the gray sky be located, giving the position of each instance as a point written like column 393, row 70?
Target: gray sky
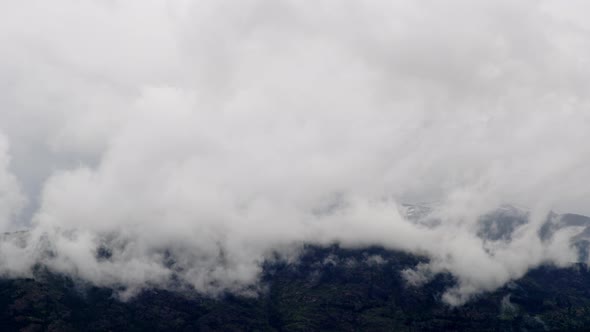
column 245, row 127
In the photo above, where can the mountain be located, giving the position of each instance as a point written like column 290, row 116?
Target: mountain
column 327, row 289
column 330, row 289
column 500, row 224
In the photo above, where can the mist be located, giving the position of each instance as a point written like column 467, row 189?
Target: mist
column 224, row 133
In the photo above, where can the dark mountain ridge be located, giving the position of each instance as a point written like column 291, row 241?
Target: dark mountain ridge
column 328, row 288
column 331, row 289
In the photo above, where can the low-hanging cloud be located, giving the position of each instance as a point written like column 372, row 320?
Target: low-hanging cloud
column 222, row 132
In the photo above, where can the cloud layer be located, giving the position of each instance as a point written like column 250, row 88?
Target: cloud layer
column 221, row 132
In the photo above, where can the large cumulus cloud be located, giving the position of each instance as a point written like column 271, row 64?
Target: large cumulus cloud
column 221, row 132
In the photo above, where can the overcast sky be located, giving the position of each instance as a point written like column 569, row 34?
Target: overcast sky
column 225, row 130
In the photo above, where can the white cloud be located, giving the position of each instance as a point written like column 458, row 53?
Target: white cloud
column 11, row 197
column 222, row 131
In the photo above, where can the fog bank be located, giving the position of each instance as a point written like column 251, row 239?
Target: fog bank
column 197, row 139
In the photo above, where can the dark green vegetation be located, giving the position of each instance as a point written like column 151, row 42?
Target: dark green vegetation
column 330, row 289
